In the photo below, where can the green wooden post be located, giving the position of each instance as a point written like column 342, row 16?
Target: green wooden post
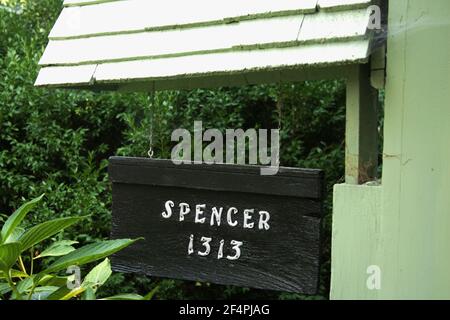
column 403, row 226
column 361, row 151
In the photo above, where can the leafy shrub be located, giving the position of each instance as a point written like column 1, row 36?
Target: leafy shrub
column 53, row 142
column 25, row 283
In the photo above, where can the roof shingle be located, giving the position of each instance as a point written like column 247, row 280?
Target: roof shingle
column 113, row 42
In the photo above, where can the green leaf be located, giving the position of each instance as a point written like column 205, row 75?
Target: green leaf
column 151, row 294
column 95, row 278
column 98, row 275
column 45, row 230
column 4, row 288
column 59, row 294
column 15, row 235
column 54, row 281
column 58, row 249
column 89, row 294
column 9, row 253
column 42, row 293
column 126, row 296
column 87, row 254
column 16, row 218
column 64, row 293
column 25, row 285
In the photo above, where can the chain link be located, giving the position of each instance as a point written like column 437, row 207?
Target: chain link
column 280, row 104
column 151, row 152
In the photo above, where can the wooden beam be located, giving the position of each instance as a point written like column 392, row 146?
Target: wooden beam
column 361, row 150
column 378, row 68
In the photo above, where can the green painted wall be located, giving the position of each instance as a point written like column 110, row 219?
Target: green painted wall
column 404, row 226
column 356, row 224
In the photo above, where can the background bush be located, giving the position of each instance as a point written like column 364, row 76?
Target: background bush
column 57, row 141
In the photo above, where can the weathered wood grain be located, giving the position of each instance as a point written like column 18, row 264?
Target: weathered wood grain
column 285, row 257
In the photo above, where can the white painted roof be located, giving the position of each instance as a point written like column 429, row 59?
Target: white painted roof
column 114, row 43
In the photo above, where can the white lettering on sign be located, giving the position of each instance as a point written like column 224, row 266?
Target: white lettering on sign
column 184, row 210
column 236, row 247
column 231, row 212
column 220, row 253
column 216, row 216
column 191, row 245
column 205, row 245
column 264, row 218
column 249, row 218
column 199, row 213
column 168, row 213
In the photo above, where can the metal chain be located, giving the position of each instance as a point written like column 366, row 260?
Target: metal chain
column 151, row 152
column 280, row 103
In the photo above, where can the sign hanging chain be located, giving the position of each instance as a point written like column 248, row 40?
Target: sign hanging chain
column 151, row 152
column 280, row 103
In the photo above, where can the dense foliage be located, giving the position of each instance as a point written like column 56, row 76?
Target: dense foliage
column 57, row 142
column 20, row 280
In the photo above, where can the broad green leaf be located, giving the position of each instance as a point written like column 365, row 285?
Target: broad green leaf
column 25, row 285
column 58, row 249
column 87, row 254
column 95, row 278
column 9, row 253
column 16, row 218
column 59, row 294
column 64, row 293
column 42, row 293
column 64, row 243
column 89, row 294
column 56, row 252
column 45, row 230
column 126, row 296
column 98, row 275
column 54, row 281
column 4, row 288
column 15, row 235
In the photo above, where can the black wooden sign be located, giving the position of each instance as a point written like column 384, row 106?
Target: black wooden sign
column 223, row 224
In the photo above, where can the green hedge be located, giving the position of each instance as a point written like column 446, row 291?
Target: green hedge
column 57, row 142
